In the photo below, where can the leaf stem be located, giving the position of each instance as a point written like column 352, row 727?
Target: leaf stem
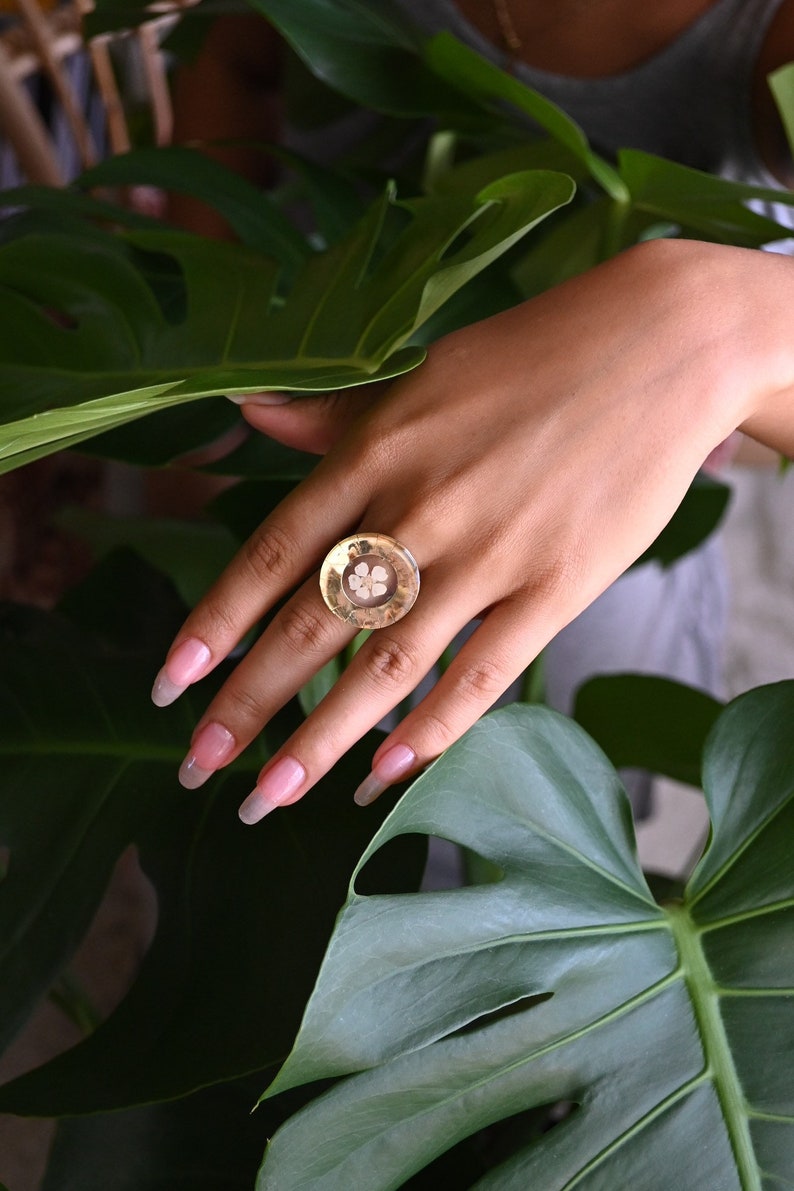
column 533, row 682
column 716, row 1045
column 617, row 215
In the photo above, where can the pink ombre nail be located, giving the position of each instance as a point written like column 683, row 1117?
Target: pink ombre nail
column 187, row 663
column 212, row 746
column 277, row 785
column 395, row 763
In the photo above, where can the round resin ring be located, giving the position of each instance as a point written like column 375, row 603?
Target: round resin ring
column 369, row 580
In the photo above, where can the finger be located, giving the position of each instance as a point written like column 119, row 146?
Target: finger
column 311, row 424
column 287, row 547
column 293, row 648
column 384, row 671
column 492, row 659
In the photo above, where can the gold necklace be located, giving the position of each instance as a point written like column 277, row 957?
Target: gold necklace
column 507, row 29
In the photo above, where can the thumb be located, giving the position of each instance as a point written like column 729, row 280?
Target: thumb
column 311, row 424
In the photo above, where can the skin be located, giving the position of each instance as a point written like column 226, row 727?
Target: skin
column 571, row 427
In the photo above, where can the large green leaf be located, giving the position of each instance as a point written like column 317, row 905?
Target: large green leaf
column 644, row 721
column 89, row 768
column 255, row 216
column 367, row 49
column 710, row 207
column 668, row 1028
column 781, row 84
column 573, row 243
column 191, row 553
column 35, row 208
column 480, row 79
column 101, row 331
column 250, row 212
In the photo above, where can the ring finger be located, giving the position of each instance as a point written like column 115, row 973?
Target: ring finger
column 385, row 670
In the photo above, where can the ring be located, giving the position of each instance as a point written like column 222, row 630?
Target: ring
column 370, row 580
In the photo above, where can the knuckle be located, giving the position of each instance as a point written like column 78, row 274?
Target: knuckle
column 480, row 682
column 390, row 663
column 432, row 732
column 269, row 553
column 557, row 576
column 303, row 629
column 221, row 618
column 241, row 705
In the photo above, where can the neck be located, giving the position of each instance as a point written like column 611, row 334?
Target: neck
column 581, row 38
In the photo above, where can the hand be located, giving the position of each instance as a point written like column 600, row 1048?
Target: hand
column 526, row 464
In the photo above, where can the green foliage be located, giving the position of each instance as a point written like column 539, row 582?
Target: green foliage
column 474, row 1018
column 367, row 49
column 104, row 328
column 666, row 1028
column 642, row 721
column 190, row 553
column 89, row 768
column 781, row 83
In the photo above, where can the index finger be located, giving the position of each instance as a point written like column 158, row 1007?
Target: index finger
column 287, row 547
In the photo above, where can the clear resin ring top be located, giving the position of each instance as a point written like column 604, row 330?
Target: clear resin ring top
column 370, row 580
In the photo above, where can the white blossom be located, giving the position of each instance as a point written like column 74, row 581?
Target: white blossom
column 368, row 585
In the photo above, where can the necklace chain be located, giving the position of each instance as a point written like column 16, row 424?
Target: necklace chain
column 507, row 28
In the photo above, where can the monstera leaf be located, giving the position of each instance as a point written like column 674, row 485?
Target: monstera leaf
column 243, row 916
column 643, row 721
column 665, row 1030
column 101, row 330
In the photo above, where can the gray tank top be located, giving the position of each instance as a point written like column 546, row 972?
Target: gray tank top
column 689, row 102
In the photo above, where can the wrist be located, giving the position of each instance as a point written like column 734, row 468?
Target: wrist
column 736, row 303
column 751, row 295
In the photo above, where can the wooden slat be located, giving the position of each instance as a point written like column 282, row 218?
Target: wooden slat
column 105, row 76
column 157, row 82
column 25, row 129
column 42, row 38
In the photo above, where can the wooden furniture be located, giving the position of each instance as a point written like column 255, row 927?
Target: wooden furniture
column 41, row 43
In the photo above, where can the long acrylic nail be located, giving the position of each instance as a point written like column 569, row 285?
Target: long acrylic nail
column 213, row 745
column 185, row 665
column 395, row 763
column 275, row 787
column 260, row 398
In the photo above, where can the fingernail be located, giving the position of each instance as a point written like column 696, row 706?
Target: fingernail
column 184, row 666
column 260, row 398
column 213, row 745
column 394, row 764
column 275, row 787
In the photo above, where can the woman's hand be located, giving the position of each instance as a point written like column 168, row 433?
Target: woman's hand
column 525, row 465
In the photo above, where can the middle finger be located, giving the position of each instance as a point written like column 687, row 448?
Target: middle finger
column 302, row 638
